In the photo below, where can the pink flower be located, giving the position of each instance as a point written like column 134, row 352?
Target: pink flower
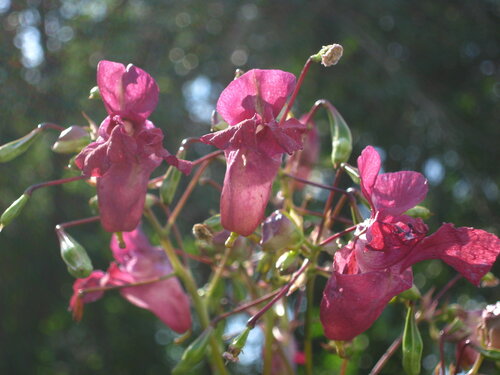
column 138, row 262
column 376, row 265
column 129, row 146
column 253, row 144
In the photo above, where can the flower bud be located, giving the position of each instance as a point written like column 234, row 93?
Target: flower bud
column 94, row 93
column 287, row 260
column 74, row 255
column 412, row 345
column 71, row 140
column 194, row 353
column 279, row 231
column 13, row 210
column 15, row 148
column 489, row 281
column 419, row 212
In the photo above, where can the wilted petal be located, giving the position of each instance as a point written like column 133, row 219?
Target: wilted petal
column 369, row 166
column 395, row 193
column 352, row 303
column 78, row 300
column 129, row 91
column 470, row 251
column 257, row 91
column 247, row 186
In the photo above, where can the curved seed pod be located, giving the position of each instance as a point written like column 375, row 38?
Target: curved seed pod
column 71, row 140
column 13, row 210
column 15, row 148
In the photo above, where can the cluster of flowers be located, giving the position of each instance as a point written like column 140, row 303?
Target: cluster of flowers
column 367, row 272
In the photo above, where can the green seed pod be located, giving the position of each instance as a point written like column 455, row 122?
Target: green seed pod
column 71, row 140
column 280, row 231
column 234, row 349
column 341, row 135
column 286, row 260
column 194, row 353
column 171, row 182
column 74, row 255
column 412, row 345
column 13, row 210
column 419, row 212
column 411, row 294
column 15, row 148
column 353, row 172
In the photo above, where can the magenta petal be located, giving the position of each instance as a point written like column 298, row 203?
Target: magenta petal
column 135, row 241
column 395, row 193
column 470, row 251
column 247, row 186
column 234, row 137
column 257, row 91
column 165, row 299
column 122, row 192
column 91, row 281
column 352, row 303
column 369, row 166
column 129, row 91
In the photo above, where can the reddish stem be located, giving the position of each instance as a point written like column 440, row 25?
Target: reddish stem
column 82, row 292
column 32, row 188
column 74, row 223
column 48, row 125
column 207, row 157
column 386, row 356
column 322, row 186
column 289, row 105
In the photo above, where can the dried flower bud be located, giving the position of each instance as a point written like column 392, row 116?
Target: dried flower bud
column 234, row 349
column 71, row 140
column 202, row 233
column 194, row 353
column 329, row 55
column 13, row 210
column 73, row 254
column 279, row 231
column 15, row 148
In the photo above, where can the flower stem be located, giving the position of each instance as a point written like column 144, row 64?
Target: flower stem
column 82, row 292
column 337, row 235
column 74, row 223
column 218, row 272
column 289, row 105
column 386, row 356
column 32, row 188
column 182, row 201
column 268, row 344
column 188, row 280
column 254, row 319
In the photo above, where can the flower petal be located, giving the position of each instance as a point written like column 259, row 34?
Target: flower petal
column 369, row 166
column 257, row 91
column 78, row 300
column 352, row 303
column 129, row 91
column 470, row 251
column 247, row 186
column 395, row 193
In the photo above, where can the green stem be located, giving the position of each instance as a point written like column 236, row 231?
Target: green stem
column 188, row 280
column 218, row 272
column 268, row 344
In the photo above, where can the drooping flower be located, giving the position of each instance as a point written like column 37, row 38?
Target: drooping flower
column 129, row 146
column 253, row 144
column 376, row 265
column 138, row 262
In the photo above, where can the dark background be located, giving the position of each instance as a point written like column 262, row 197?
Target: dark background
column 420, row 80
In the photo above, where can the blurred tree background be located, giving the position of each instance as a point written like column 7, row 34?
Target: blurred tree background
column 419, row 80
